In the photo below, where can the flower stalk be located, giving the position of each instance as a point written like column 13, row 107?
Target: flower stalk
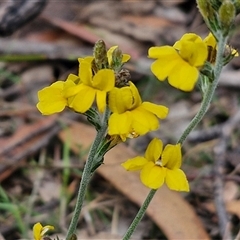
column 139, row 215
column 208, row 94
column 86, row 176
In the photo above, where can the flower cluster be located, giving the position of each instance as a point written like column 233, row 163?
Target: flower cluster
column 182, row 62
column 102, row 82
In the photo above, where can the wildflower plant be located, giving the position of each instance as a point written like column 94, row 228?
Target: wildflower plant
column 104, row 92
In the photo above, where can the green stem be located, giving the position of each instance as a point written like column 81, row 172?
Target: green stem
column 207, row 98
column 208, row 95
column 139, row 215
column 86, row 176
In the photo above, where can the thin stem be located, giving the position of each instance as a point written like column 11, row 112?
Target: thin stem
column 139, row 215
column 208, row 95
column 86, row 176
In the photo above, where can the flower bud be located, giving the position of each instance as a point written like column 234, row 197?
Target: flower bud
column 205, row 9
column 116, row 59
column 227, row 15
column 100, row 55
column 237, row 6
column 216, row 4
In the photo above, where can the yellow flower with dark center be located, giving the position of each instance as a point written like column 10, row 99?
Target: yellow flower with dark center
column 53, row 99
column 180, row 63
column 130, row 116
column 90, row 88
column 160, row 166
column 39, row 231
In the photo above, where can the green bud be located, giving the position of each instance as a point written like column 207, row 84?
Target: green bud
column 216, row 4
column 73, row 237
column 117, row 59
column 237, row 6
column 100, row 55
column 227, row 15
column 205, row 9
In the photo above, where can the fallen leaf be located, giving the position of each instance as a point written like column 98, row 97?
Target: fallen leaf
column 230, row 191
column 232, row 207
column 168, row 209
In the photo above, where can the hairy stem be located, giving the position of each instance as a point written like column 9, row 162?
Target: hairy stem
column 86, row 176
column 139, row 215
column 208, row 95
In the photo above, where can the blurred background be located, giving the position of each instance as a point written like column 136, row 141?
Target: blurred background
column 42, row 157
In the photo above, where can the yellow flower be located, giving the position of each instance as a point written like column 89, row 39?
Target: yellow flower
column 39, row 231
column 180, row 63
column 160, row 166
column 53, row 99
column 131, row 117
column 90, row 87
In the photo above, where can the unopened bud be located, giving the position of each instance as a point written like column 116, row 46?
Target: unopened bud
column 227, row 15
column 117, row 59
column 237, row 6
column 216, row 4
column 100, row 55
column 205, row 9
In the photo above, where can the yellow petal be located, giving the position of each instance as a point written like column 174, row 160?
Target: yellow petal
column 104, row 80
column 161, row 68
column 47, row 108
column 83, row 100
column 134, row 164
column 51, row 99
column 119, row 124
column 123, row 99
column 37, row 228
column 210, row 40
column 176, row 180
column 136, row 99
column 154, row 150
column 72, row 78
column 115, row 101
column 193, row 37
column 167, row 58
column 159, row 110
column 172, row 156
column 153, row 176
column 162, row 52
column 195, row 53
column 85, row 73
column 46, row 229
column 143, row 121
column 200, row 55
column 125, row 58
column 183, row 77
column 109, row 54
column 234, row 52
column 88, row 59
column 101, row 100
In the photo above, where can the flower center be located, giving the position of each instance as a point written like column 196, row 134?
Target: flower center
column 133, row 134
column 159, row 163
